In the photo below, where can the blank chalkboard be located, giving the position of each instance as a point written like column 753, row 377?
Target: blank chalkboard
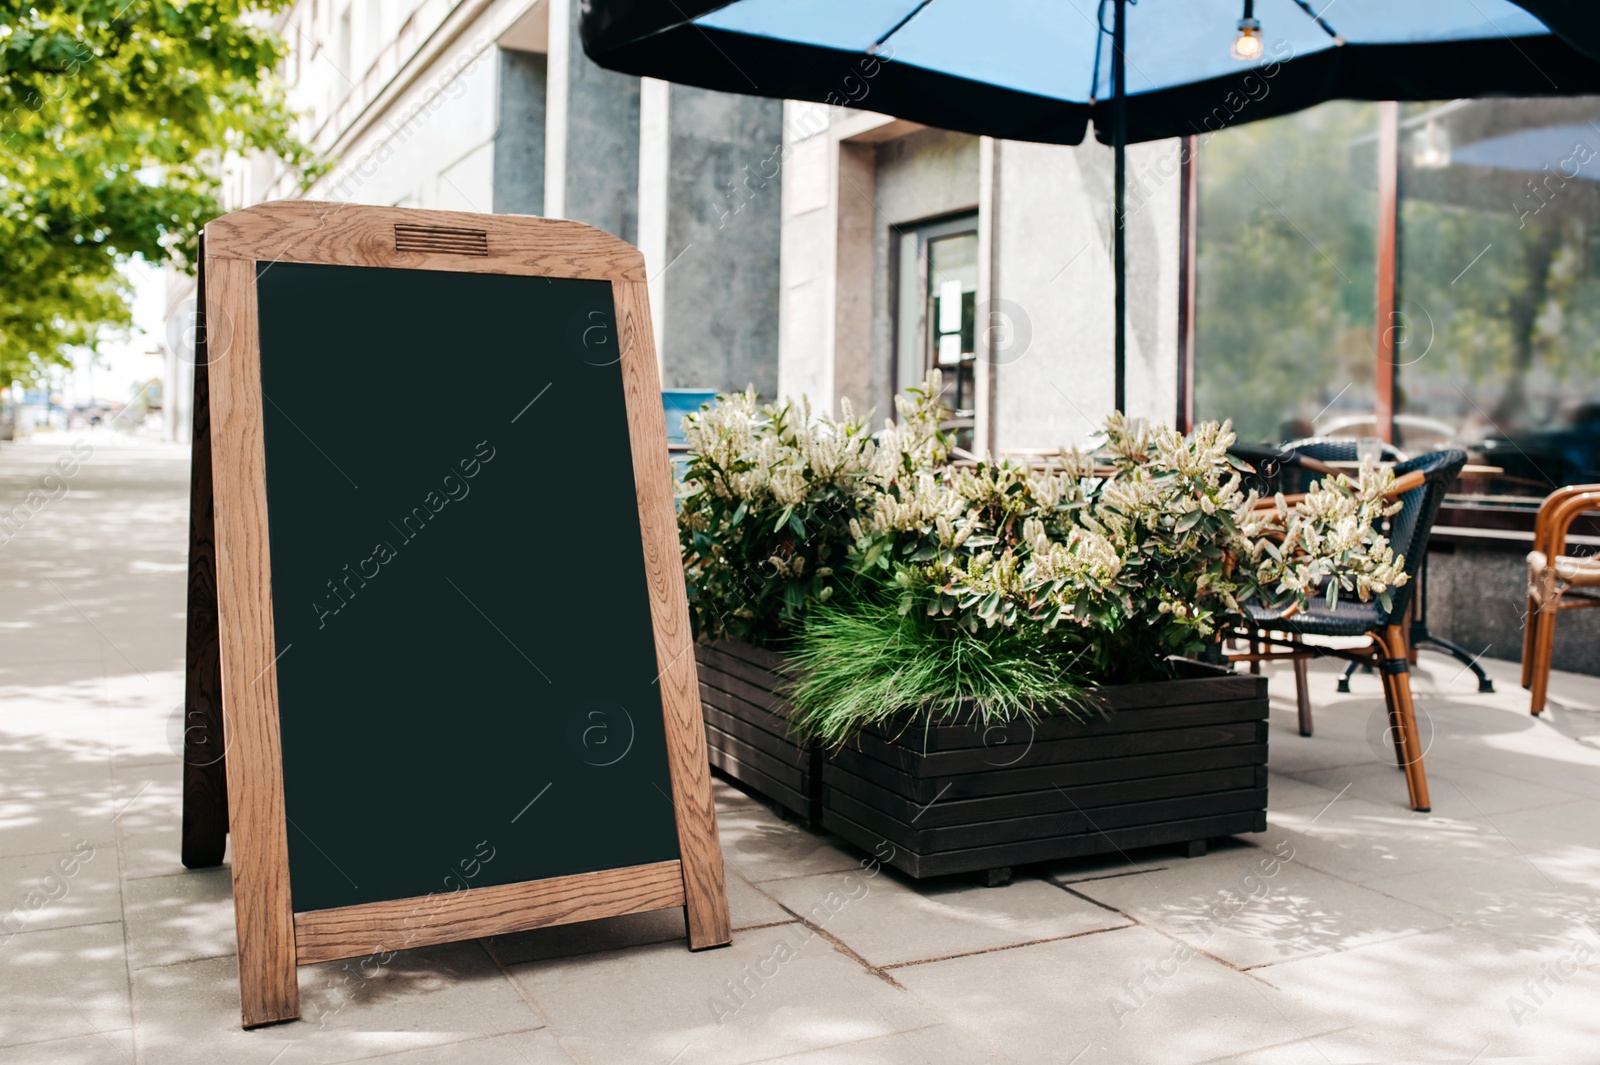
column 466, row 679
column 450, row 625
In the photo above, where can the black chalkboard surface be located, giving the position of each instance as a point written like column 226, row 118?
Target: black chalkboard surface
column 438, row 639
column 457, row 580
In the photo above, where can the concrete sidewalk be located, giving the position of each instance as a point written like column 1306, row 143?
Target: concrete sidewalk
column 1353, row 930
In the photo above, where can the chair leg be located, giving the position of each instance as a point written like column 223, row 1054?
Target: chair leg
column 1544, row 641
column 1302, row 694
column 1391, row 704
column 1403, row 712
column 1255, row 663
column 1528, row 626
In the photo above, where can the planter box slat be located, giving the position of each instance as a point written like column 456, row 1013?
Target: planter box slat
column 1210, row 686
column 766, row 728
column 1039, row 778
column 756, row 671
column 765, row 701
column 739, row 651
column 1085, row 749
column 930, row 841
column 1055, row 848
column 1014, row 736
column 757, row 781
column 947, row 811
column 789, row 774
column 747, row 728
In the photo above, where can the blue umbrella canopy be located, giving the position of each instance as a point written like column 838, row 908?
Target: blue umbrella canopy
column 1139, row 70
column 1041, row 70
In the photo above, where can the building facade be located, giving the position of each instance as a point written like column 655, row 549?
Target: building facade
column 802, row 250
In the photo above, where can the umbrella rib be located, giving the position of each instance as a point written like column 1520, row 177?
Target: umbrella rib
column 1316, row 16
column 896, row 28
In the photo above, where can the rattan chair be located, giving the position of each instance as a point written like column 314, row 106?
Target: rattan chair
column 1389, row 645
column 1557, row 581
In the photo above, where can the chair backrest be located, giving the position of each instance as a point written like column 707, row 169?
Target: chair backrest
column 1557, row 513
column 1328, row 449
column 1409, row 529
column 1338, row 449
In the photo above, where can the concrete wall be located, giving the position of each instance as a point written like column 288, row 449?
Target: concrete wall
column 810, row 180
column 519, row 133
column 591, row 136
column 719, row 278
column 1477, row 596
column 1054, row 379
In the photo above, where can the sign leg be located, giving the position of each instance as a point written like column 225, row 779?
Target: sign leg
column 205, row 789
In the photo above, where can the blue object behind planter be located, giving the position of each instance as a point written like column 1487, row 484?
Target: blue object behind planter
column 681, row 401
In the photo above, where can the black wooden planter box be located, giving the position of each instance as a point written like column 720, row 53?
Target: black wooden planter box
column 1178, row 761
column 747, row 728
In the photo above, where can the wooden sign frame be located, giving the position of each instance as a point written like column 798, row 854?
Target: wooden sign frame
column 232, row 692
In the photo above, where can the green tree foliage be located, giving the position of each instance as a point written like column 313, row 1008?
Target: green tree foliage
column 1287, row 269
column 1500, row 280
column 114, row 118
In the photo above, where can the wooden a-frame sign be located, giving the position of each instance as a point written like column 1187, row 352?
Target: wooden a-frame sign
column 334, row 772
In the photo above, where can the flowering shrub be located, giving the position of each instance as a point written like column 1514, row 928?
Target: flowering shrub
column 1143, row 562
column 914, row 585
column 767, row 501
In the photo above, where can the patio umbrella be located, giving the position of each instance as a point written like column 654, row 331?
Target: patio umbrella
column 1139, row 70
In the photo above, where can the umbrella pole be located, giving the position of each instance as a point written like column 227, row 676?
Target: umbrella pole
column 1119, row 236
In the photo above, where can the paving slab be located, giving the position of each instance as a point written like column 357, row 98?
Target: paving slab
column 889, row 921
column 77, row 884
column 63, row 982
column 774, row 991
column 1123, row 997
column 102, row 1048
column 537, row 1047
column 1285, row 791
column 189, row 1012
column 1520, row 898
column 1561, row 825
column 1253, row 906
column 937, row 1045
column 1360, row 840
column 180, row 918
column 1455, row 790
column 761, row 846
column 1450, row 994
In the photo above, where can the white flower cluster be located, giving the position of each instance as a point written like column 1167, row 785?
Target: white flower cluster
column 1168, row 530
column 785, row 453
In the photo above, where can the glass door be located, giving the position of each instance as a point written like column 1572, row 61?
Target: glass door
column 936, row 312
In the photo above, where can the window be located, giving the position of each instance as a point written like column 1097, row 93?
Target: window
column 1286, row 274
column 935, row 313
column 1499, row 287
column 1496, row 330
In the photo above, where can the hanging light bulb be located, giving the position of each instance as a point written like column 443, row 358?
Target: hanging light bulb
column 1247, row 46
column 1430, row 147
